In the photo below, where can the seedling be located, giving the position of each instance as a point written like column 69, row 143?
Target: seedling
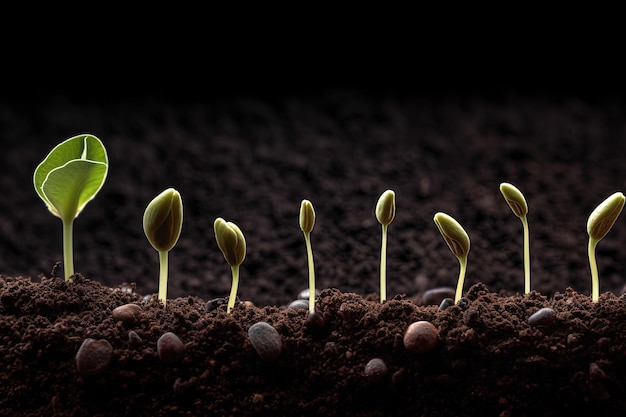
column 307, row 221
column 162, row 224
column 385, row 212
column 600, row 222
column 515, row 199
column 232, row 243
column 66, row 180
column 459, row 243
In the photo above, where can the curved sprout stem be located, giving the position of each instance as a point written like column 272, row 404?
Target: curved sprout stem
column 459, row 285
column 233, row 288
column 309, row 252
column 383, row 265
column 526, row 255
column 68, row 250
column 595, row 284
column 163, row 264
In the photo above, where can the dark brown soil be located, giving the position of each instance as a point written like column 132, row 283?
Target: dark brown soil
column 251, row 159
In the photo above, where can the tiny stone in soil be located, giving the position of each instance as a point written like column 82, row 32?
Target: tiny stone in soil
column 299, row 304
column 266, row 340
column 134, row 339
column 421, row 337
column 445, row 303
column 94, row 356
column 376, row 370
column 542, row 318
column 170, row 348
column 127, row 313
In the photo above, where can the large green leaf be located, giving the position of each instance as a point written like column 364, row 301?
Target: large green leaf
column 71, row 175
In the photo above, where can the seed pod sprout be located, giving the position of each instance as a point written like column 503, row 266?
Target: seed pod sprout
column 385, row 213
column 232, row 243
column 515, row 199
column 459, row 243
column 67, row 179
column 600, row 222
column 307, row 221
column 162, row 224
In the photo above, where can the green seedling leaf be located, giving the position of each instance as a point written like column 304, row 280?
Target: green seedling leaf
column 385, row 213
column 515, row 199
column 459, row 243
column 71, row 175
column 67, row 179
column 232, row 243
column 599, row 223
column 162, row 224
column 307, row 221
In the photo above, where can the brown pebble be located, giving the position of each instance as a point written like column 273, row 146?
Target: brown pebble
column 170, row 348
column 375, row 370
column 421, row 337
column 93, row 356
column 127, row 313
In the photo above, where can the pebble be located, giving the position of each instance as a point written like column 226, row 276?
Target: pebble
column 299, row 304
column 94, row 356
column 544, row 317
column 445, row 303
column 421, row 337
column 376, row 369
column 435, row 296
column 265, row 340
column 304, row 294
column 127, row 313
column 170, row 348
column 134, row 339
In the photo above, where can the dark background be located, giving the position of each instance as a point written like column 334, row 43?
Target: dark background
column 246, row 120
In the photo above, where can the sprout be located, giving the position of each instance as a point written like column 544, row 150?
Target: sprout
column 162, row 223
column 459, row 243
column 232, row 243
column 600, row 222
column 515, row 199
column 67, row 179
column 307, row 221
column 385, row 212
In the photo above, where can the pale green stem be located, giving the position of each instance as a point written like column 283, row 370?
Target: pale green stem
column 383, row 265
column 459, row 284
column 68, row 250
column 309, row 252
column 163, row 263
column 233, row 288
column 595, row 283
column 526, row 255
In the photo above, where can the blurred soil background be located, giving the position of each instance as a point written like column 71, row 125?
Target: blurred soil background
column 246, row 129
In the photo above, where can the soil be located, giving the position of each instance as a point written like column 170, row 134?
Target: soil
column 251, row 159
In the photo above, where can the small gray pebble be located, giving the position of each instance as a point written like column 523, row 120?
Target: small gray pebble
column 170, row 348
column 445, row 303
column 543, row 317
column 375, row 370
column 304, row 294
column 435, row 296
column 94, row 356
column 127, row 313
column 134, row 339
column 216, row 303
column 299, row 304
column 266, row 340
